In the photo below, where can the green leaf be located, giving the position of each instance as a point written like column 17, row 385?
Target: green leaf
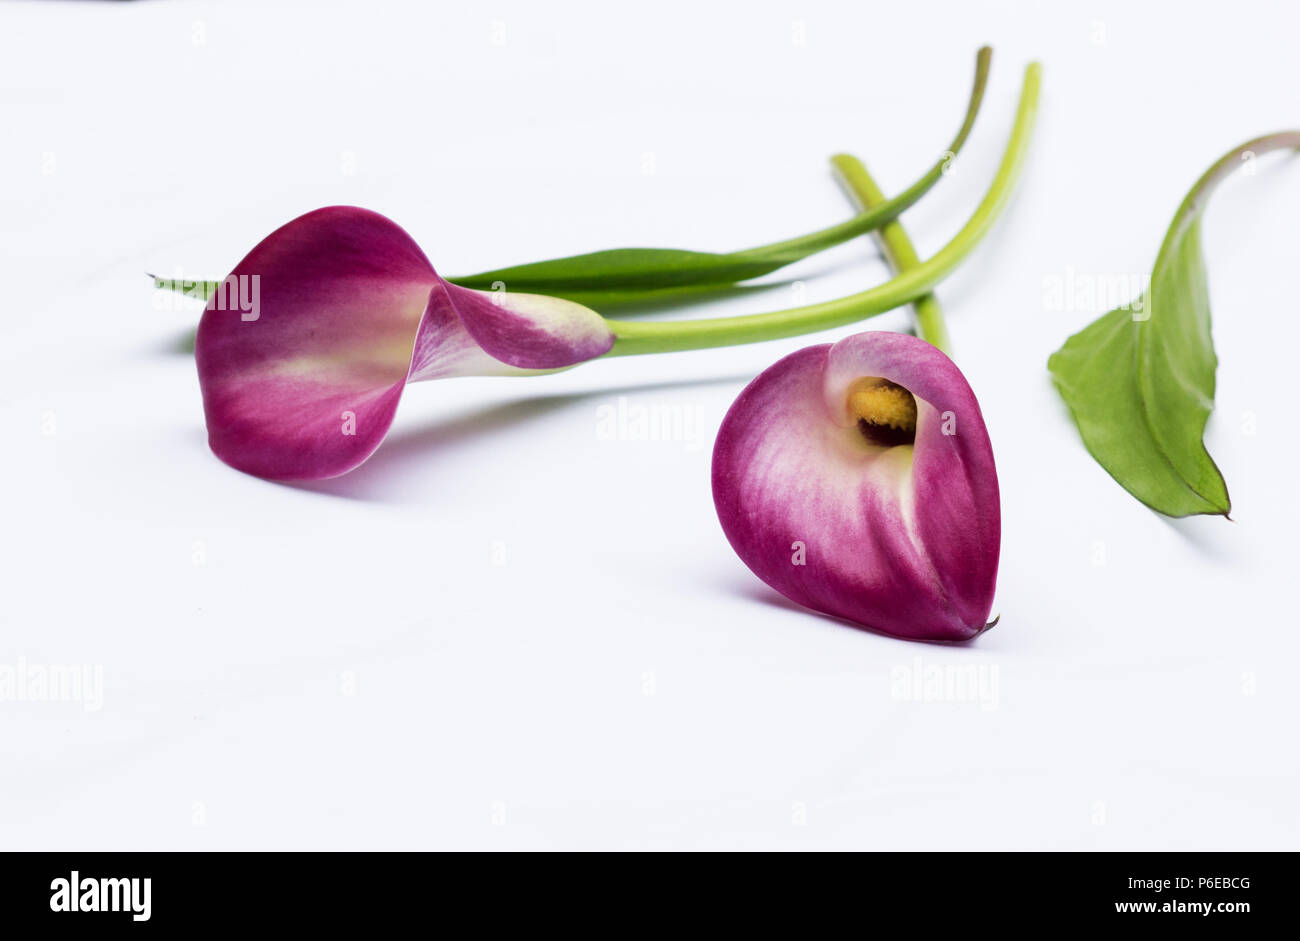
column 638, row 269
column 624, row 273
column 199, row 290
column 1139, row 381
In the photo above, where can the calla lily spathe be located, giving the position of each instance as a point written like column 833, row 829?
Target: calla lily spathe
column 858, row 479
column 304, row 383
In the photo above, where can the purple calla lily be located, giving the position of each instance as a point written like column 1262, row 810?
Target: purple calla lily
column 857, row 479
column 305, row 350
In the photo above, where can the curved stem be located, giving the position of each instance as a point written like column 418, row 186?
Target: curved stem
column 898, row 248
column 1211, row 178
column 663, row 337
column 873, row 217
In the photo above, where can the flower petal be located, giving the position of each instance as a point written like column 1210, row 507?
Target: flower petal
column 531, row 331
column 902, row 539
column 303, row 358
column 304, row 352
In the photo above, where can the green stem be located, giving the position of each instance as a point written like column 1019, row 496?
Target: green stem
column 664, row 337
column 872, row 217
column 898, row 248
column 1189, row 210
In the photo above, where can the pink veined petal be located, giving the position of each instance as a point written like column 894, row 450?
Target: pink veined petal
column 955, row 480
column 850, row 528
column 306, row 385
column 531, row 331
column 303, row 357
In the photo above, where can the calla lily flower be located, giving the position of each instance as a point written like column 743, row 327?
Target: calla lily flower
column 304, row 350
column 857, row 479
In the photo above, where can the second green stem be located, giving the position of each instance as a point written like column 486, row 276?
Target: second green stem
column 667, row 336
column 898, row 248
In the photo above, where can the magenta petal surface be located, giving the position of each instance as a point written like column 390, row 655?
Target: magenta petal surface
column 901, row 539
column 531, row 331
column 303, row 355
column 306, row 385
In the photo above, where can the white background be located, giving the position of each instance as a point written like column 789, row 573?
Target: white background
column 506, row 631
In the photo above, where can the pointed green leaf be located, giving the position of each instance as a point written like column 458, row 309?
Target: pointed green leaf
column 199, row 290
column 638, row 269
column 1139, row 381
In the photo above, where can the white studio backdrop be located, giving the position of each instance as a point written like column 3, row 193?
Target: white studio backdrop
column 519, row 625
